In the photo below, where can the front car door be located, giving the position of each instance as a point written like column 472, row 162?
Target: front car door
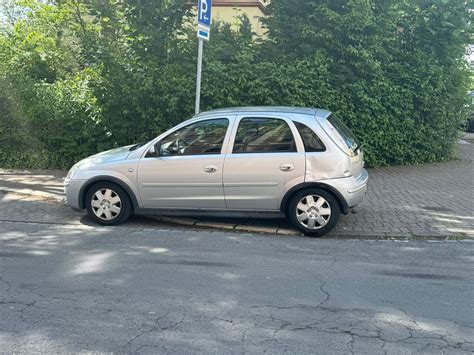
column 187, row 173
column 264, row 160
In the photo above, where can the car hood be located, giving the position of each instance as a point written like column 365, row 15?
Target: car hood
column 109, row 156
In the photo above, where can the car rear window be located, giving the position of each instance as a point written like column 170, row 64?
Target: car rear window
column 346, row 134
column 311, row 141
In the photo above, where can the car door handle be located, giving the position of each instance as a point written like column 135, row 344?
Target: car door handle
column 287, row 167
column 210, row 169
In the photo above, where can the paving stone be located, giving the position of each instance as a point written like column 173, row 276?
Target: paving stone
column 430, row 200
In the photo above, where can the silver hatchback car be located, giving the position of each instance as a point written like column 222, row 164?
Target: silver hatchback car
column 249, row 161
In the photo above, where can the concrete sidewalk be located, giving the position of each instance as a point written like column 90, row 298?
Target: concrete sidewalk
column 43, row 183
column 432, row 200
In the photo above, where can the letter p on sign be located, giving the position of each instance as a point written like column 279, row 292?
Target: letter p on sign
column 204, row 12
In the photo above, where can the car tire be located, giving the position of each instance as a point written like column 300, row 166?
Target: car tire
column 108, row 204
column 313, row 211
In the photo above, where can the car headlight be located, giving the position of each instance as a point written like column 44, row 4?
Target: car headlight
column 71, row 172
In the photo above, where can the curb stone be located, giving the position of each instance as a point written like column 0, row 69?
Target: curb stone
column 216, row 225
column 183, row 221
column 228, row 226
column 286, row 231
column 258, row 229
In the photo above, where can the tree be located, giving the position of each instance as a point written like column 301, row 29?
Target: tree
column 397, row 66
column 78, row 77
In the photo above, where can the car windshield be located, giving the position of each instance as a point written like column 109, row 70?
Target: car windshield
column 346, row 134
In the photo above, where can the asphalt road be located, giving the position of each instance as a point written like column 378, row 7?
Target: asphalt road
column 70, row 288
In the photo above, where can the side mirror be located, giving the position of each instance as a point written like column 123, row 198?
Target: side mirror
column 157, row 148
column 154, row 151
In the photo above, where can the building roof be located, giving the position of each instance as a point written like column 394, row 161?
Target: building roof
column 241, row 3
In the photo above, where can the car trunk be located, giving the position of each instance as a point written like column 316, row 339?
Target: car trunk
column 348, row 142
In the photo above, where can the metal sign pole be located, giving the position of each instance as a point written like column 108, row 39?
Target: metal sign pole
column 198, row 76
column 203, row 30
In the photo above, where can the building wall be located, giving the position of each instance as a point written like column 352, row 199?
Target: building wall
column 229, row 13
column 229, row 10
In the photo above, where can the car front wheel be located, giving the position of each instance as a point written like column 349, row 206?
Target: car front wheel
column 314, row 211
column 108, row 204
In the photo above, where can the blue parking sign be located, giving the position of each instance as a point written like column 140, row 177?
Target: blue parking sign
column 204, row 12
column 204, row 28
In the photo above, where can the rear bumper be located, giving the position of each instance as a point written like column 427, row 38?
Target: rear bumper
column 352, row 189
column 357, row 191
column 72, row 190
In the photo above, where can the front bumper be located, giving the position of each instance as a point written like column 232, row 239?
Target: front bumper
column 72, row 189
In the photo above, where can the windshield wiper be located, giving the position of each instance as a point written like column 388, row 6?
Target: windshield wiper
column 358, row 147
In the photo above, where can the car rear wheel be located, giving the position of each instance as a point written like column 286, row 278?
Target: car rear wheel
column 108, row 204
column 314, row 211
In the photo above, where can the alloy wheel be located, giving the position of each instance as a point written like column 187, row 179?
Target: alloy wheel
column 313, row 212
column 106, row 204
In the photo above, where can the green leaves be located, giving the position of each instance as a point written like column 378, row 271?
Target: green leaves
column 396, row 67
column 79, row 77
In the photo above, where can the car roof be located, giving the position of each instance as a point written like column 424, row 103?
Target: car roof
column 273, row 109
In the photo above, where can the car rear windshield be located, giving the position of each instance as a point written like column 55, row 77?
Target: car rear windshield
column 344, row 131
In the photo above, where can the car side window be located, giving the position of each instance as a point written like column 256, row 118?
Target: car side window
column 263, row 135
column 199, row 138
column 311, row 141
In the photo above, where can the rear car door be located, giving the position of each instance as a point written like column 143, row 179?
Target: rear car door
column 187, row 173
column 265, row 159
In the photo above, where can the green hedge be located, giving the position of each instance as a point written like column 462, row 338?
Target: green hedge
column 78, row 78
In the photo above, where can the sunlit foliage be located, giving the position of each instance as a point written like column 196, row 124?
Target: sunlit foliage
column 78, row 77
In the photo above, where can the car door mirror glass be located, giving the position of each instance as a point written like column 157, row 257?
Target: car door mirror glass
column 154, row 150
